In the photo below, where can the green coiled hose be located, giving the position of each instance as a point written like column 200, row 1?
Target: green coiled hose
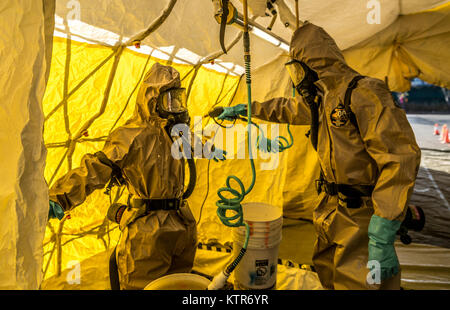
column 224, row 205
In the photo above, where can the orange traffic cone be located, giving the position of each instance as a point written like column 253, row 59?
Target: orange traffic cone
column 436, row 130
column 446, row 138
column 444, row 128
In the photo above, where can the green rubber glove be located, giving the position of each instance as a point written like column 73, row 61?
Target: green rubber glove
column 55, row 211
column 230, row 113
column 381, row 245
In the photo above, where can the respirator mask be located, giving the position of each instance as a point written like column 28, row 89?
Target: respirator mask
column 303, row 79
column 171, row 105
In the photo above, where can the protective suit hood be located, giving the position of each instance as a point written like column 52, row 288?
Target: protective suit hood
column 157, row 80
column 317, row 49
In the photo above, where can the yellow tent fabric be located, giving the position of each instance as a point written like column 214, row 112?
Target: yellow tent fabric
column 25, row 49
column 402, row 51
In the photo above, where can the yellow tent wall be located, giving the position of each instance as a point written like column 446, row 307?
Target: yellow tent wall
column 25, row 49
column 415, row 45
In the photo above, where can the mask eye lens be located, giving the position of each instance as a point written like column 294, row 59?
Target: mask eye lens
column 169, row 102
column 174, row 100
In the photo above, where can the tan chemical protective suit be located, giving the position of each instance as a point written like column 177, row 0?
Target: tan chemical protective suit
column 161, row 242
column 382, row 153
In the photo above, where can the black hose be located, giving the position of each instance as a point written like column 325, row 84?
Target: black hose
column 234, row 264
column 113, row 272
column 314, row 121
column 192, row 178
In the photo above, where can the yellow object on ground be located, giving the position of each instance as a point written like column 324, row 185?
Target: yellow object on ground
column 179, row 281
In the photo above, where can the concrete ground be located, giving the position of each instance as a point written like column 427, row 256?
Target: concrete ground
column 432, row 193
column 423, row 126
column 432, row 189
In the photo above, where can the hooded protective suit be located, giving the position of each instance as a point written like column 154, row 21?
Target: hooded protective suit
column 163, row 241
column 380, row 151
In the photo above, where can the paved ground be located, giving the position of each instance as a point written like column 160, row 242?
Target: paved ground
column 423, row 126
column 432, row 190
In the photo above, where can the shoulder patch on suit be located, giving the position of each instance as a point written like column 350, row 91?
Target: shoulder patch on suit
column 339, row 117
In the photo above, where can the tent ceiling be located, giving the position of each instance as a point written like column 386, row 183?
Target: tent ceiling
column 191, row 24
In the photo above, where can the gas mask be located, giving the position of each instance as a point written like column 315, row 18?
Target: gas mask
column 303, row 79
column 171, row 105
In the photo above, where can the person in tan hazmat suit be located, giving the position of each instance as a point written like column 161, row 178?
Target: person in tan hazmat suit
column 158, row 228
column 368, row 157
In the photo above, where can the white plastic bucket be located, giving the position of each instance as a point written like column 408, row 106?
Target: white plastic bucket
column 258, row 267
column 179, row 281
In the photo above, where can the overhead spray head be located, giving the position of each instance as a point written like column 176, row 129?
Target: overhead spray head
column 225, row 14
